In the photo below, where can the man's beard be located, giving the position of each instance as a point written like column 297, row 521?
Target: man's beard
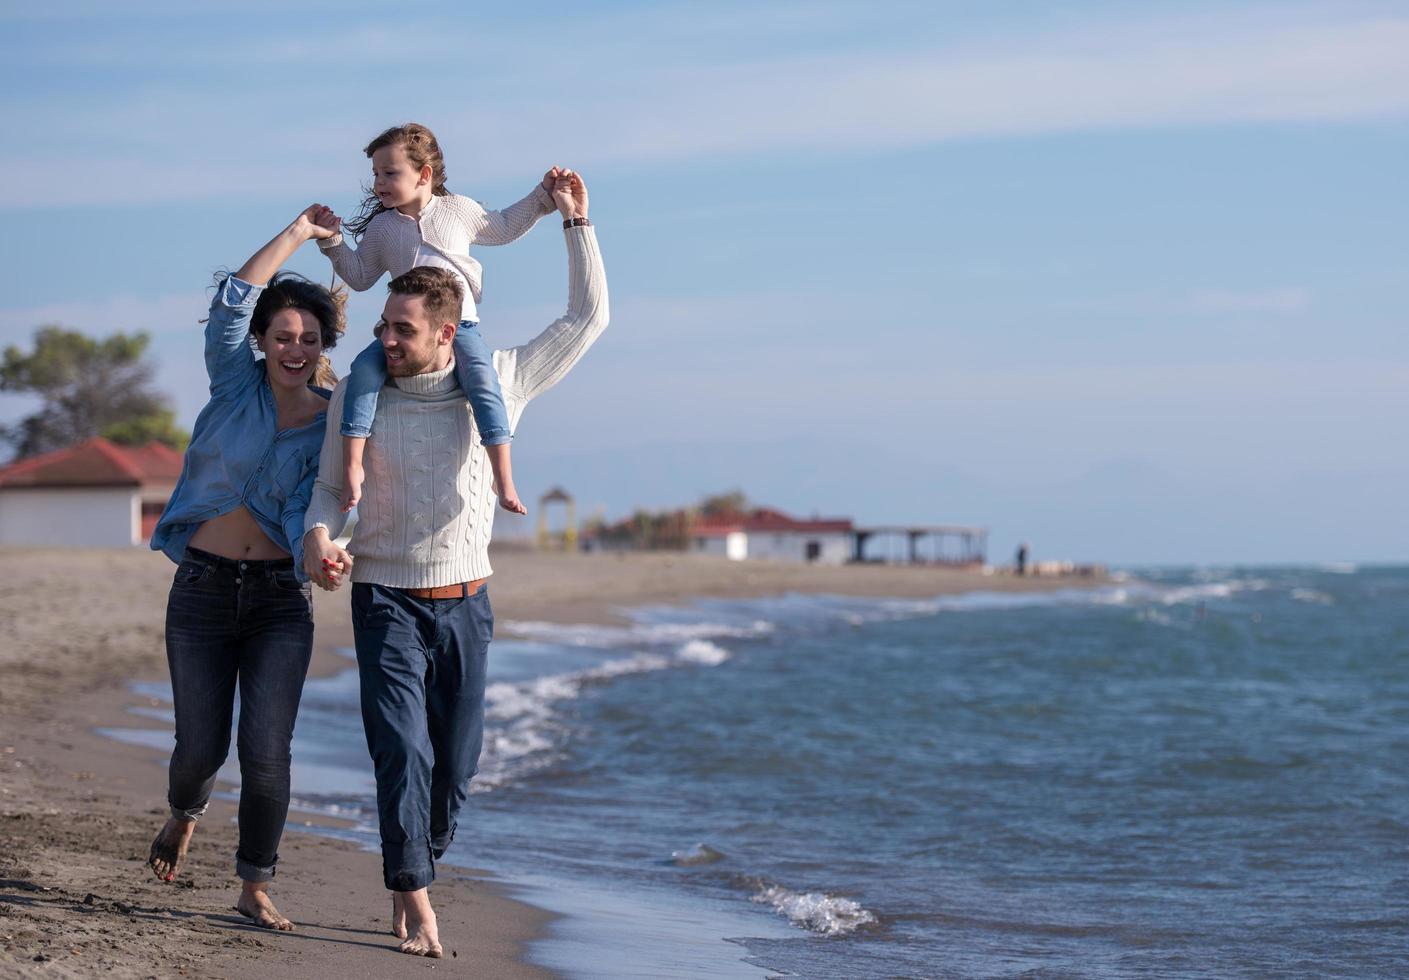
column 410, row 364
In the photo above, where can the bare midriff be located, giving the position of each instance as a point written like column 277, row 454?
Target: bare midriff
column 236, row 535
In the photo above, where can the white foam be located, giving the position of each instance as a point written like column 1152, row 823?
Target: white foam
column 699, row 854
column 524, row 732
column 1312, row 596
column 1213, row 590
column 703, row 652
column 829, row 915
column 1340, row 567
column 859, row 612
column 1154, row 616
column 637, row 634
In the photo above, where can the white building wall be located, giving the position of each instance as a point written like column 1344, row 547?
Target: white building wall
column 71, row 518
column 834, row 548
column 734, row 545
column 710, row 545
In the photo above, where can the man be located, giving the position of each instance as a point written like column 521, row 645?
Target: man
column 420, row 607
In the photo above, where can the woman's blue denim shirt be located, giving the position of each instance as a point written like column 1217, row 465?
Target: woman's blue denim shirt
column 237, row 453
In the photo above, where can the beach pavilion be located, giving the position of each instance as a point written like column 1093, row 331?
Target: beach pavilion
column 770, row 534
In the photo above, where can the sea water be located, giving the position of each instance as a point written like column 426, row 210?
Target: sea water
column 1192, row 773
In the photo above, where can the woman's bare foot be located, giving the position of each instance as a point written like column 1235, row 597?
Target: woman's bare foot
column 398, row 916
column 255, row 904
column 169, row 848
column 422, row 938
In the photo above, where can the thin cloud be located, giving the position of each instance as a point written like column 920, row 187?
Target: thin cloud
column 643, row 112
column 173, row 313
column 1283, row 301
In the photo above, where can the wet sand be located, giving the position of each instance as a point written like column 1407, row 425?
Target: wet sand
column 78, row 810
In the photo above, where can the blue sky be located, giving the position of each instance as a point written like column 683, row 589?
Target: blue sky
column 1122, row 280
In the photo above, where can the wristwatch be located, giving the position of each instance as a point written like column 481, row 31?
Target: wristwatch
column 577, row 223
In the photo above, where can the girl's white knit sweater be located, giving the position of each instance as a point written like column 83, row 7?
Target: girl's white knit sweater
column 427, row 507
column 442, row 236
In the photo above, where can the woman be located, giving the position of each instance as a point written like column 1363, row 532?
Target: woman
column 240, row 611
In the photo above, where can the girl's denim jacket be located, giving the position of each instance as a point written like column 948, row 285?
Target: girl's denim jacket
column 237, row 453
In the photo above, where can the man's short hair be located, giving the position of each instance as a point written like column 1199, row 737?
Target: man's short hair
column 440, row 292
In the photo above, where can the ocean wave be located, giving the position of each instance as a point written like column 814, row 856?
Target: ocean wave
column 1150, row 615
column 637, row 634
column 703, row 652
column 829, row 915
column 1212, row 590
column 1339, row 567
column 1312, row 596
column 524, row 731
column 858, row 611
column 697, row 855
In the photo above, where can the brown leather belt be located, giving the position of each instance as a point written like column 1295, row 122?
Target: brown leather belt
column 457, row 591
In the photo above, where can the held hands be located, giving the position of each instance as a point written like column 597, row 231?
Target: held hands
column 568, row 191
column 569, row 194
column 317, row 221
column 550, row 179
column 325, row 563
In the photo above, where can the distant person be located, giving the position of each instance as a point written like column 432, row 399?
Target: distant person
column 420, row 606
column 1021, row 560
column 240, row 613
column 410, row 219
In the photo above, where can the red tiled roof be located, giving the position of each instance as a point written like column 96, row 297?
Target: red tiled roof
column 767, row 520
column 95, row 462
column 714, row 530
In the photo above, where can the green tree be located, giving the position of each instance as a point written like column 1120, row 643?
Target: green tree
column 731, row 504
column 159, row 426
column 87, row 386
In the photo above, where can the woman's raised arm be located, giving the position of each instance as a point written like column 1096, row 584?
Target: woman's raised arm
column 229, row 361
column 261, row 266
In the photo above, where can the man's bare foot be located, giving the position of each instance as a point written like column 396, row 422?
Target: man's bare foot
column 421, row 936
column 169, row 848
column 255, row 904
column 398, row 916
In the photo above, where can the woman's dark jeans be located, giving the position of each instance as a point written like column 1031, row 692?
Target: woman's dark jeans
column 251, row 623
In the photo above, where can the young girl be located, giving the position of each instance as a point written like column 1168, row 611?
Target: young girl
column 410, row 219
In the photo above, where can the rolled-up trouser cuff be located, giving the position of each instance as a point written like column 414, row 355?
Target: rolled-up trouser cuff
column 494, row 437
column 192, row 815
column 408, row 866
column 252, row 872
column 441, row 844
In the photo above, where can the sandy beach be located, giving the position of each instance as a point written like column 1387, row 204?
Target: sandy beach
column 78, row 810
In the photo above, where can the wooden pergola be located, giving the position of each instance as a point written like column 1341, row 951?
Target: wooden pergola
column 925, row 544
column 565, row 539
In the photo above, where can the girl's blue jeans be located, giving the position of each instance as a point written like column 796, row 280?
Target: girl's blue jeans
column 474, row 369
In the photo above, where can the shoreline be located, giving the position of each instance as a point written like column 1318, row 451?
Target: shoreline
column 79, row 807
